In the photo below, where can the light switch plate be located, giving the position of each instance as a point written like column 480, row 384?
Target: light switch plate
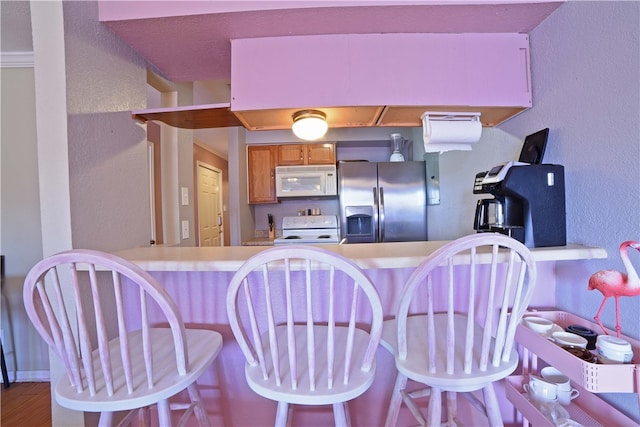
column 185, row 229
column 184, row 195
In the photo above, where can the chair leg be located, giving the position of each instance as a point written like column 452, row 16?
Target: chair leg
column 340, row 414
column 106, row 419
column 492, row 405
column 282, row 414
column 200, row 410
column 144, row 417
column 5, row 375
column 452, row 407
column 434, row 414
column 396, row 401
column 164, row 413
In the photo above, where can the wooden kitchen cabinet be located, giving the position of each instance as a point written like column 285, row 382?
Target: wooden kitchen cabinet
column 306, row 154
column 261, row 173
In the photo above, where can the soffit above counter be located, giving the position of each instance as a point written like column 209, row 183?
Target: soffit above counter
column 346, row 77
column 220, row 115
column 189, row 41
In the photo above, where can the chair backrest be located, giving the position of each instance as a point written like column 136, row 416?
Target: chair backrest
column 80, row 299
column 297, row 286
column 484, row 281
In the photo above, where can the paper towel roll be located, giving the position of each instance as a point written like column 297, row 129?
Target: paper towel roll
column 450, row 134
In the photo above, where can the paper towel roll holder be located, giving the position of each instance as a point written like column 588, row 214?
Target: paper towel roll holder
column 451, row 115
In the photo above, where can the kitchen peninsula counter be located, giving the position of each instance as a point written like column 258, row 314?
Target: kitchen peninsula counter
column 197, row 279
column 366, row 255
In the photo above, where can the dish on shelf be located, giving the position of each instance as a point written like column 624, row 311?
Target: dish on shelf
column 547, row 333
column 586, row 409
column 581, row 353
column 569, row 339
column 538, row 324
column 594, row 377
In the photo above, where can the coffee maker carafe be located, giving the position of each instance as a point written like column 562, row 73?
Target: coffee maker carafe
column 499, row 212
column 528, row 203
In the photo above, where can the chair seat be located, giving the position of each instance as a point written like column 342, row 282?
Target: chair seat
column 203, row 347
column 359, row 380
column 416, row 365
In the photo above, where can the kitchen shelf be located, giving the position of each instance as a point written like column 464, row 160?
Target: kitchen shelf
column 593, row 377
column 191, row 117
column 587, row 409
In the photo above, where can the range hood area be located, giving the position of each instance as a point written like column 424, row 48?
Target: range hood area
column 366, row 80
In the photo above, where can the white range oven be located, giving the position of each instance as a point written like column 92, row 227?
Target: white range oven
column 309, row 229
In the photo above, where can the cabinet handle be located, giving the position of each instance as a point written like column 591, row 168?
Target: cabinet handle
column 301, row 155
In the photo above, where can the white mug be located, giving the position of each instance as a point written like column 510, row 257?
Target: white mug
column 540, row 390
column 564, row 391
column 553, row 375
column 567, row 338
column 538, row 324
column 566, row 396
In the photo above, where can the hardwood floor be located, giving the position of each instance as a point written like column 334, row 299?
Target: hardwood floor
column 26, row 404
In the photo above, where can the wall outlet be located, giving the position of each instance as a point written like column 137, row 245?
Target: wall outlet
column 185, row 229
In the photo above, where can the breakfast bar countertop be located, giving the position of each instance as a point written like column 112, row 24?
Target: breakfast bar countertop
column 366, row 255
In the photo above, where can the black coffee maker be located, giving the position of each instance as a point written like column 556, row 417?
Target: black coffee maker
column 528, row 203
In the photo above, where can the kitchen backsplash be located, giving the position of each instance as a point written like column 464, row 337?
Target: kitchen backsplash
column 290, row 208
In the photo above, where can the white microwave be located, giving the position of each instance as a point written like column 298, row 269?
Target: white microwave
column 305, row 181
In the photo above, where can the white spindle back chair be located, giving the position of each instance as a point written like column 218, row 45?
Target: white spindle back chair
column 469, row 296
column 94, row 309
column 308, row 322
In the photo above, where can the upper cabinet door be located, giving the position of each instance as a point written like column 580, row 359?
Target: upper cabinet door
column 261, row 173
column 291, row 154
column 321, row 154
column 306, row 154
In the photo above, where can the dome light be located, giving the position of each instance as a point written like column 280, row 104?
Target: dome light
column 309, row 124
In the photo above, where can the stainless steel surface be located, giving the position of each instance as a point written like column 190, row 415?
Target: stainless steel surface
column 382, row 202
column 309, row 229
column 433, row 178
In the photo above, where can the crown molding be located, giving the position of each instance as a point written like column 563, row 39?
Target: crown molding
column 16, row 60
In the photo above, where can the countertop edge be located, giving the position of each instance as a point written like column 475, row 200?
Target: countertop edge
column 365, row 255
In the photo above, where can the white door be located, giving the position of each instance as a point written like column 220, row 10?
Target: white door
column 209, row 205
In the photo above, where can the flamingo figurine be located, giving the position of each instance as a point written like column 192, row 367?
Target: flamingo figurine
column 615, row 284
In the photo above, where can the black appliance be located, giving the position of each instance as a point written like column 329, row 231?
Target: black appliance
column 529, row 197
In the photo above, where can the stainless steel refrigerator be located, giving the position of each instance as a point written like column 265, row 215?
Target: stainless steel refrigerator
column 382, row 202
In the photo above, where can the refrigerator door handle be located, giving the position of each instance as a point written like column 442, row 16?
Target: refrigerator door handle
column 375, row 214
column 381, row 222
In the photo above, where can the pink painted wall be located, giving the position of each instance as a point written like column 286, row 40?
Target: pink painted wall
column 380, row 69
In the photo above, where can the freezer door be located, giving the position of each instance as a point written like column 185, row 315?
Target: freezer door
column 358, row 192
column 402, row 201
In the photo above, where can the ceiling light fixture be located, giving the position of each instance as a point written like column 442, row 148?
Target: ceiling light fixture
column 309, row 124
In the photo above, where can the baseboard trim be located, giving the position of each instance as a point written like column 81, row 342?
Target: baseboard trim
column 17, row 60
column 29, row 376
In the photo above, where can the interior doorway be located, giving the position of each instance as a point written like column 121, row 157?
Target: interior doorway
column 210, row 230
